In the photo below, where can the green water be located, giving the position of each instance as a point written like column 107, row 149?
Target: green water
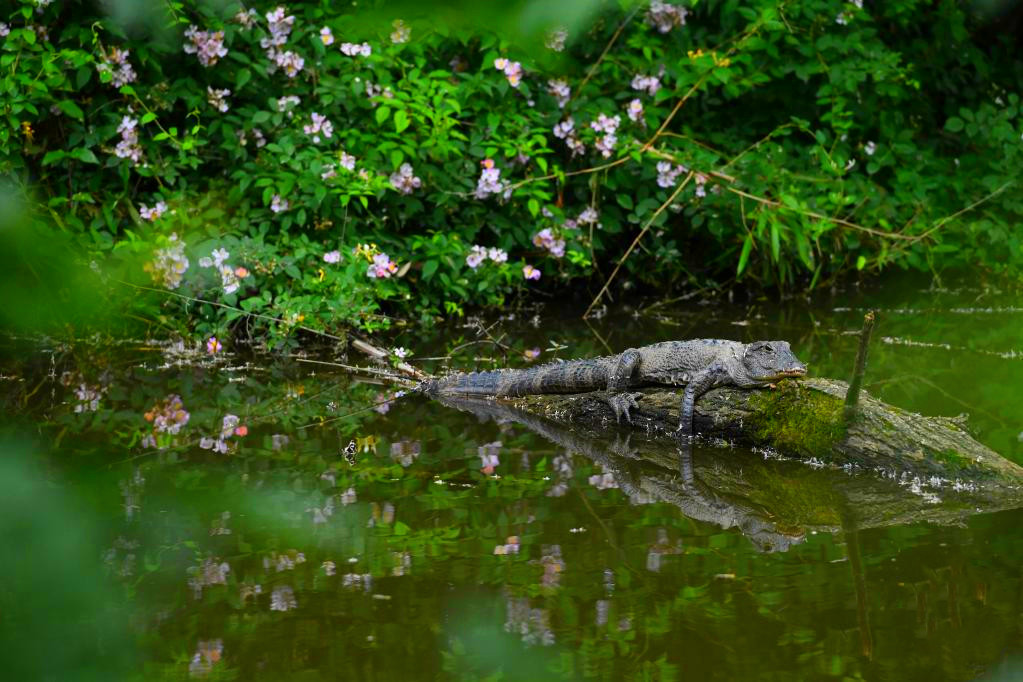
column 449, row 546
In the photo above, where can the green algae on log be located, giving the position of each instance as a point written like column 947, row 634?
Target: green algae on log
column 803, row 419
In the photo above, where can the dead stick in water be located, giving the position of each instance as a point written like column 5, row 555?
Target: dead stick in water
column 852, row 396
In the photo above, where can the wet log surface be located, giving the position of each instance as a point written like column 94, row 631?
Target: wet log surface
column 801, row 419
column 876, row 479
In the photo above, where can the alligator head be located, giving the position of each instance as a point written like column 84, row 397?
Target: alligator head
column 767, row 361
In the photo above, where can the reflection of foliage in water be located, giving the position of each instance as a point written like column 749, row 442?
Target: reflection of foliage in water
column 457, row 548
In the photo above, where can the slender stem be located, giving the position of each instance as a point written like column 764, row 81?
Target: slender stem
column 853, row 395
column 635, row 241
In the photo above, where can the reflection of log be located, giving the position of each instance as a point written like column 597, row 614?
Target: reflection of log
column 774, row 503
column 802, row 419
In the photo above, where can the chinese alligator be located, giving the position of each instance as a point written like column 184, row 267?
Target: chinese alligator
column 700, row 364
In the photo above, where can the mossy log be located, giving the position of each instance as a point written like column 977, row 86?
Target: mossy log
column 803, row 419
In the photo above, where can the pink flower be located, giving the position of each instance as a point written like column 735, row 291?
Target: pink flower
column 489, row 181
column 382, row 267
column 153, row 213
column 241, row 430
column 401, row 33
column 208, row 46
column 332, row 257
column 319, row 125
column 404, row 179
column 356, row 49
column 213, row 346
column 278, row 205
column 216, row 99
column 529, row 272
column 326, row 36
column 635, row 110
column 476, row 256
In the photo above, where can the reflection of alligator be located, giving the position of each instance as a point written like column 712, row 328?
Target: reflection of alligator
column 641, row 480
column 700, row 364
column 774, row 503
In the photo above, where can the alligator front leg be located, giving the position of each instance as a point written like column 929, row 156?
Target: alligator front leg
column 618, row 383
column 697, row 386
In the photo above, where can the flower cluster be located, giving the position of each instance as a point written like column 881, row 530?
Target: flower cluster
column 667, row 173
column 287, row 104
column 256, row 133
column 635, row 111
column 664, row 16
column 332, row 257
column 529, row 272
column 560, row 91
column 209, row 572
column 247, row 19
column 512, row 70
column 382, row 267
column 701, row 181
column 153, row 213
column 356, row 49
column 545, row 239
column 229, row 276
column 566, row 131
column 404, row 179
column 489, row 181
column 88, row 397
column 511, row 546
column 168, row 416
column 589, row 216
column 280, row 27
column 217, row 100
column 208, row 46
column 374, row 90
column 401, row 33
column 609, row 126
column 5, row 29
column 115, row 62
column 283, row 599
column 555, row 39
column 278, row 204
column 319, row 125
column 229, row 427
column 649, row 83
column 477, row 254
column 128, row 147
column 489, row 459
column 207, row 655
column 169, row 263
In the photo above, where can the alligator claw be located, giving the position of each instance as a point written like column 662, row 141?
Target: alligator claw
column 621, row 403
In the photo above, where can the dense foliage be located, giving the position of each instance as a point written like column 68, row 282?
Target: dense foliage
column 325, row 163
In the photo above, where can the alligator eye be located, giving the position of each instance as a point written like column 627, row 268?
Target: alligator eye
column 768, row 348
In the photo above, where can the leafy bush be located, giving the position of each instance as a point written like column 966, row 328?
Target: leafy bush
column 352, row 167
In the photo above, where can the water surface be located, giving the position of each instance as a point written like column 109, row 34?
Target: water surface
column 152, row 535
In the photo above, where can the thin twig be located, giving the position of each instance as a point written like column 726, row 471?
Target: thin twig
column 961, row 211
column 607, row 48
column 635, row 241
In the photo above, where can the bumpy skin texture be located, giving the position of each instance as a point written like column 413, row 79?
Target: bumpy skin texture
column 700, row 365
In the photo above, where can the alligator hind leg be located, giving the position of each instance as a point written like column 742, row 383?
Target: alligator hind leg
column 618, row 383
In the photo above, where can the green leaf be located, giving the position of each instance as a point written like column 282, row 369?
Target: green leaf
column 71, row 109
column 534, row 207
column 747, row 247
column 954, row 124
column 861, row 262
column 84, row 155
column 775, row 241
column 243, row 77
column 148, row 117
column 429, row 267
column 401, row 120
column 382, row 114
column 261, row 117
column 53, row 157
column 625, row 201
